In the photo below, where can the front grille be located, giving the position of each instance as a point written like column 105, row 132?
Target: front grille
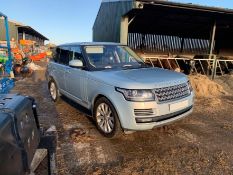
column 172, row 92
column 143, row 112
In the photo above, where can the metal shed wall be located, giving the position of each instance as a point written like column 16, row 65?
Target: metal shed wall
column 13, row 31
column 107, row 24
column 165, row 27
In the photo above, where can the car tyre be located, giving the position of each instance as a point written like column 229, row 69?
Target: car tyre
column 106, row 118
column 53, row 90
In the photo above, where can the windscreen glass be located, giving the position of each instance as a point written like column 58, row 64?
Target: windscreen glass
column 112, row 56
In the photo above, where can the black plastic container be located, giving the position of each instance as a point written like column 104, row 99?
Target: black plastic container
column 19, row 133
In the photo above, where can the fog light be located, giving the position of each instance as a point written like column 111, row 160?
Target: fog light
column 144, row 120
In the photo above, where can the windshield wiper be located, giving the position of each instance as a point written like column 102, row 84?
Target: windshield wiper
column 108, row 67
column 127, row 65
column 131, row 67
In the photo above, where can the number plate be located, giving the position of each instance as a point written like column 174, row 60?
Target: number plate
column 179, row 105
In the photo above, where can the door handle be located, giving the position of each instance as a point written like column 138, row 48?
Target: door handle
column 67, row 70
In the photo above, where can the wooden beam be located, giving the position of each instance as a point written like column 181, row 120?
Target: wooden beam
column 212, row 38
column 24, row 35
column 131, row 20
column 38, row 158
column 214, row 69
column 124, row 30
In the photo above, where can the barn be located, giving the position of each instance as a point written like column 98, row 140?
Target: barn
column 165, row 29
column 19, row 31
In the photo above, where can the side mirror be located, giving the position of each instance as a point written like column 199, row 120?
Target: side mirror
column 76, row 63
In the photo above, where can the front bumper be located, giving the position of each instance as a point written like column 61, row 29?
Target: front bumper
column 162, row 114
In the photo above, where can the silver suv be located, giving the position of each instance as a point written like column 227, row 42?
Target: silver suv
column 122, row 92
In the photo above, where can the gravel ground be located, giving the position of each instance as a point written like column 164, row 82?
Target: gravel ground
column 199, row 144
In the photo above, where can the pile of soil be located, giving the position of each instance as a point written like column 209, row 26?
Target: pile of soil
column 226, row 81
column 204, row 87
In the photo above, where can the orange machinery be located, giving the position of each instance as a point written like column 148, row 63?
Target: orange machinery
column 28, row 44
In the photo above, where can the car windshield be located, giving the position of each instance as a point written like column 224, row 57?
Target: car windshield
column 113, row 57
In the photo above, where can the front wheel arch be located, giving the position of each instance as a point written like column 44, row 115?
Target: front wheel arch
column 118, row 119
column 97, row 98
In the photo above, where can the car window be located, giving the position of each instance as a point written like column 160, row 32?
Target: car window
column 56, row 54
column 64, row 56
column 112, row 56
column 77, row 53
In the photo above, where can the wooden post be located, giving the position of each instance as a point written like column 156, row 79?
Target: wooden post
column 37, row 159
column 24, row 36
column 211, row 47
column 124, row 30
column 214, row 68
column 212, row 38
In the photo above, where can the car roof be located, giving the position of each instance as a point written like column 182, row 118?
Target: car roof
column 89, row 44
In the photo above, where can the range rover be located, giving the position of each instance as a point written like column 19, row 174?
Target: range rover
column 122, row 92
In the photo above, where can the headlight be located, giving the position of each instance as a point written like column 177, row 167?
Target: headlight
column 137, row 95
column 190, row 86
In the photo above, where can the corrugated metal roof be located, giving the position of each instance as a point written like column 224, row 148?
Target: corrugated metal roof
column 28, row 28
column 16, row 23
column 13, row 29
column 175, row 21
column 114, row 0
column 15, row 26
column 163, row 13
column 31, row 30
column 156, row 20
column 178, row 4
column 188, row 6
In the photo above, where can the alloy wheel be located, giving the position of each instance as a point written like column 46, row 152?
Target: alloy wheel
column 105, row 118
column 53, row 90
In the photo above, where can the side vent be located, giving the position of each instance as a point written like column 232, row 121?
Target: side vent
column 143, row 112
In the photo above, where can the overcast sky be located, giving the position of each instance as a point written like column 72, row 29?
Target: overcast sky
column 65, row 21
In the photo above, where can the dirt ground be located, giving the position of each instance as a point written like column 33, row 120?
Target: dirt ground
column 199, row 144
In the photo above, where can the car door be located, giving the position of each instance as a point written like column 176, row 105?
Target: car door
column 76, row 78
column 60, row 67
